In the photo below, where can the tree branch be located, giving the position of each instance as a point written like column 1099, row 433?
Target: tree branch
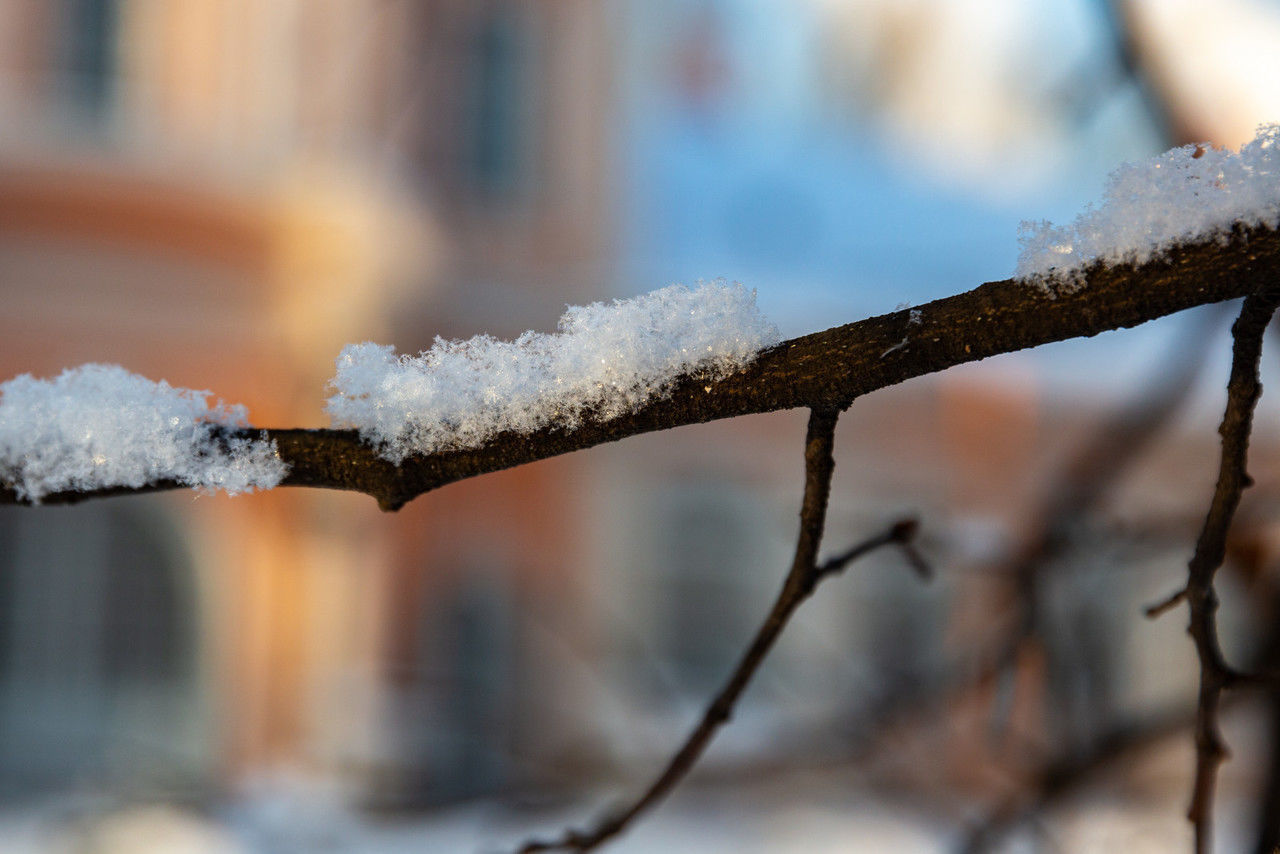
column 825, row 370
column 803, row 578
column 1243, row 392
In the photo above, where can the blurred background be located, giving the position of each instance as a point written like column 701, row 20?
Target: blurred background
column 221, row 193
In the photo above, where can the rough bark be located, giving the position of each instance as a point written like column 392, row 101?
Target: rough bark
column 825, row 370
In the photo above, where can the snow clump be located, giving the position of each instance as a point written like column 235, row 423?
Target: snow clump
column 99, row 426
column 608, row 359
column 1188, row 194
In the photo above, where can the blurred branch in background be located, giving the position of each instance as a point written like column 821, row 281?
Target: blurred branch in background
column 1066, row 773
column 1134, row 52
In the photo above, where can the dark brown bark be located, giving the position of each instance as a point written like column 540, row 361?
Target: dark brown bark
column 1243, row 391
column 826, row 370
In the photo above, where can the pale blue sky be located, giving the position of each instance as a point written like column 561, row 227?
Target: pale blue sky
column 757, row 173
column 763, row 176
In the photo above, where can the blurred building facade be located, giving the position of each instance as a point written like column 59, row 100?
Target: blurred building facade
column 221, row 193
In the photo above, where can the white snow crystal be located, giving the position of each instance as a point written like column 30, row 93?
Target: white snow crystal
column 1191, row 193
column 607, row 359
column 99, row 426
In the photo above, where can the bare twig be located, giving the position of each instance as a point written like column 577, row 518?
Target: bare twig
column 1166, row 604
column 801, row 580
column 1243, row 391
column 825, row 370
column 901, row 534
column 1078, row 488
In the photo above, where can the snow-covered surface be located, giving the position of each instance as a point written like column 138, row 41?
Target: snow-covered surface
column 1191, row 193
column 607, row 359
column 99, row 426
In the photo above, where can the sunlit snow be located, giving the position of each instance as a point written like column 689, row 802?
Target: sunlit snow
column 1192, row 193
column 607, row 359
column 99, row 426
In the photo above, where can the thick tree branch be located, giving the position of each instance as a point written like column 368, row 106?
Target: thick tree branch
column 801, row 580
column 825, row 370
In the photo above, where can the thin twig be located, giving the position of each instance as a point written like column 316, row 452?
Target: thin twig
column 801, row 580
column 1166, row 604
column 1243, row 391
column 900, row 533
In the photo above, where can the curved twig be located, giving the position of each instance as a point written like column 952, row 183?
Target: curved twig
column 1243, row 391
column 803, row 578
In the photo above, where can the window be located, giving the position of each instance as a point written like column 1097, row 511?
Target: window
column 89, row 41
column 454, row 723
column 96, row 647
column 497, row 107
column 715, row 567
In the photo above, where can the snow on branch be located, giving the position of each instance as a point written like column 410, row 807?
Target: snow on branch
column 1190, row 194
column 824, row 370
column 607, row 360
column 100, row 426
